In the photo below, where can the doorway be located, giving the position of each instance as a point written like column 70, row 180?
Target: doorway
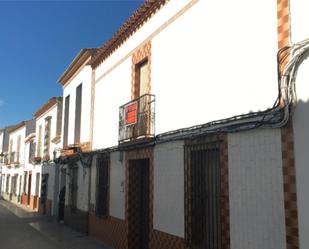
column 138, row 204
column 61, row 204
column 29, row 188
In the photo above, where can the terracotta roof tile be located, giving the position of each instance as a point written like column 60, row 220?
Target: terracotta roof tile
column 50, row 103
column 139, row 17
column 77, row 62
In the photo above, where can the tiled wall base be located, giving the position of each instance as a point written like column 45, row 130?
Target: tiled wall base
column 6, row 196
column 15, row 198
column 35, row 203
column 110, row 231
column 166, row 241
column 24, row 199
column 45, row 208
column 76, row 219
column 113, row 232
column 10, row 197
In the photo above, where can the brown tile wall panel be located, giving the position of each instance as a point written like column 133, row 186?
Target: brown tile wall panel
column 48, row 207
column 24, row 199
column 283, row 16
column 35, row 203
column 166, row 241
column 225, row 211
column 289, row 187
column 32, row 202
column 110, row 231
column 38, row 201
column 45, row 208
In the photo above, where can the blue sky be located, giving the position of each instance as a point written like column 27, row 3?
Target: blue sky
column 38, row 39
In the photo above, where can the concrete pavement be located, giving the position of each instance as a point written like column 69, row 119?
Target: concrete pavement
column 21, row 229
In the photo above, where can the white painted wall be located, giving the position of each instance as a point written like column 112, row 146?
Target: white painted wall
column 117, row 189
column 52, row 112
column 111, row 92
column 168, row 204
column 36, row 169
column 1, row 162
column 82, row 189
column 299, row 20
column 14, row 137
column 12, row 171
column 301, row 145
column 84, row 77
column 257, row 218
column 215, row 45
column 1, row 140
column 50, row 170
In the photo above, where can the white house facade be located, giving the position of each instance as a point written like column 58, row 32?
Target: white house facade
column 41, row 169
column 13, row 168
column 187, row 129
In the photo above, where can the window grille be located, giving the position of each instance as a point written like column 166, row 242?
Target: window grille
column 202, row 196
column 102, row 188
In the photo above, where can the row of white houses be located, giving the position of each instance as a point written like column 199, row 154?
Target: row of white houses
column 187, row 129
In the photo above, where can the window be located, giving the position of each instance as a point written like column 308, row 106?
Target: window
column 39, row 151
column 11, row 151
column 73, row 188
column 59, row 117
column 7, row 183
column 203, row 192
column 2, row 183
column 66, row 121
column 47, row 136
column 78, row 107
column 14, row 184
column 102, row 188
column 44, row 188
column 31, row 151
column 37, row 184
column 18, row 149
column 25, row 182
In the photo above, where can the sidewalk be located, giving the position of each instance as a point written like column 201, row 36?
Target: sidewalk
column 43, row 231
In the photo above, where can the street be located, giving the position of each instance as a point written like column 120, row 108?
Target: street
column 21, row 229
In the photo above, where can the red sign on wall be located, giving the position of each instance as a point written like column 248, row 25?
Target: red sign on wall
column 131, row 113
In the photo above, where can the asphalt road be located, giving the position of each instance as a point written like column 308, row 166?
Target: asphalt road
column 20, row 229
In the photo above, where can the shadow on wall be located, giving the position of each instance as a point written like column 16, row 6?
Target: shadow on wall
column 301, row 113
column 301, row 145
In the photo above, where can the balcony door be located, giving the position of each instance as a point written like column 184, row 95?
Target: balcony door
column 142, row 83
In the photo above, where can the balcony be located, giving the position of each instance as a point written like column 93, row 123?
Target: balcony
column 72, row 149
column 137, row 119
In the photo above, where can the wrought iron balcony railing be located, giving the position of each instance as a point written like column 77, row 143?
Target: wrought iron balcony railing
column 137, row 119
